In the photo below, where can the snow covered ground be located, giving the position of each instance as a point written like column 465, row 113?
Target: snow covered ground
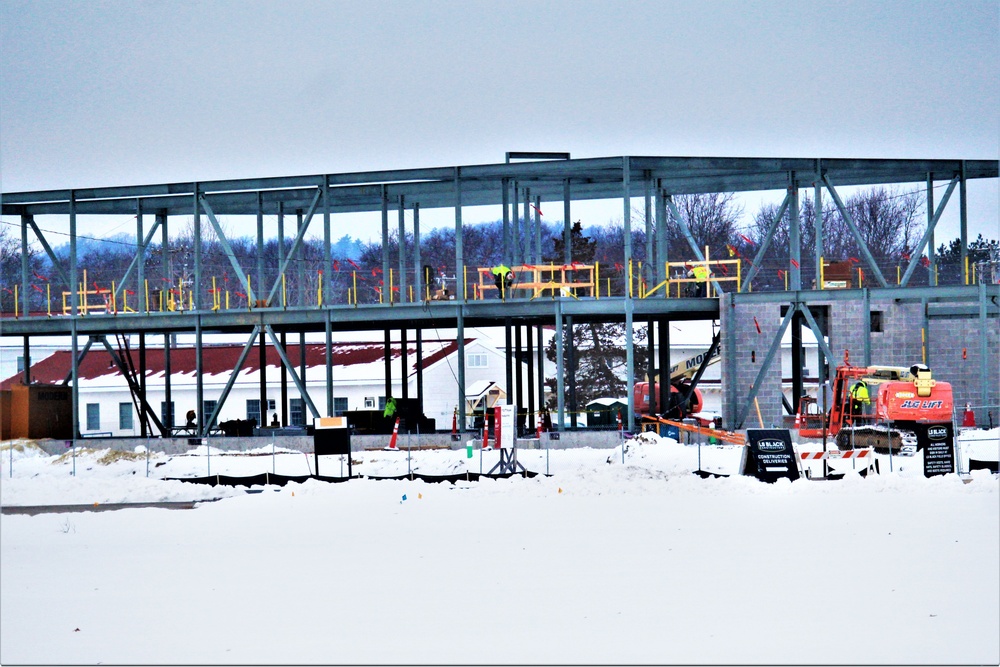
column 601, row 562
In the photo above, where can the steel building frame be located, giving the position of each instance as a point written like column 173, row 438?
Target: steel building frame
column 537, row 177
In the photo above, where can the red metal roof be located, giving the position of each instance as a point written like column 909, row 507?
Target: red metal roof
column 218, row 359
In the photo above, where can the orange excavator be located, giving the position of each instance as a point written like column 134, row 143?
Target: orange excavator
column 902, row 405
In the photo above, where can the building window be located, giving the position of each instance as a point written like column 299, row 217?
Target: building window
column 167, row 416
column 369, row 401
column 20, row 364
column 477, row 361
column 339, row 405
column 297, row 412
column 381, row 402
column 271, row 405
column 207, row 408
column 125, row 416
column 93, row 417
column 253, row 410
column 876, row 321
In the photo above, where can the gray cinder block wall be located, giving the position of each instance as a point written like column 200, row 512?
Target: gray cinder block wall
column 899, row 343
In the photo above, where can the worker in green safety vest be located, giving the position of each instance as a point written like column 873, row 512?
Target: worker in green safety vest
column 700, row 273
column 503, row 277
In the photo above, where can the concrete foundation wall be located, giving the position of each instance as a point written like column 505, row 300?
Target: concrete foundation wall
column 304, row 443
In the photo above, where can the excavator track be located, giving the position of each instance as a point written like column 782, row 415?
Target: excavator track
column 879, row 438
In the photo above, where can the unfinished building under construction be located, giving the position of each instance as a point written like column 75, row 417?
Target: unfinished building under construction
column 861, row 313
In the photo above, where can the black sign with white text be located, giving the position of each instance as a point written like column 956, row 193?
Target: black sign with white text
column 769, row 455
column 937, row 441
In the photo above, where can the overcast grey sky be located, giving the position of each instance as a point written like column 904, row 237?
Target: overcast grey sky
column 122, row 93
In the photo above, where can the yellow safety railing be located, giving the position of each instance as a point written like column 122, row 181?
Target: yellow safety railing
column 537, row 279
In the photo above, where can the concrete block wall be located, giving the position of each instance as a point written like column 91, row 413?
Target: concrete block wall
column 750, row 352
column 898, row 344
column 946, row 341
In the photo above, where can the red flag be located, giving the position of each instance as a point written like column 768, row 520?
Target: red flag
column 96, row 286
column 40, row 277
column 747, row 240
column 781, row 274
column 38, row 289
column 537, row 209
column 905, row 255
column 853, row 259
column 241, row 294
column 336, row 265
column 725, row 271
column 353, row 264
column 925, row 261
column 618, row 267
column 795, row 264
column 757, row 324
column 128, row 291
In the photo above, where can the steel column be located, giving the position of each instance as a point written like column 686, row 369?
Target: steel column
column 199, row 378
column 651, row 259
column 328, row 331
column 866, row 324
column 505, row 204
column 567, row 236
column 385, row 244
column 931, row 268
column 509, row 386
column 74, row 311
column 560, row 368
column 260, row 294
column 460, row 299
column 25, row 307
column 963, row 219
column 327, row 257
column 531, row 377
column 402, row 253
column 262, row 362
column 818, row 227
column 418, row 266
column 794, row 243
column 662, row 240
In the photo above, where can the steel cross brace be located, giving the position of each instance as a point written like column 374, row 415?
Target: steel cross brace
column 132, row 385
column 135, row 260
column 295, row 245
column 232, row 379
column 755, row 387
column 228, row 249
column 52, row 255
column 915, row 256
column 755, row 264
column 855, row 232
column 291, row 370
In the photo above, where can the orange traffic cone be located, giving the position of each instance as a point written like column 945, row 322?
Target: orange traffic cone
column 969, row 418
column 392, row 441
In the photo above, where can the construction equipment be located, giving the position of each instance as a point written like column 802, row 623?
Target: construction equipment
column 683, row 383
column 903, row 404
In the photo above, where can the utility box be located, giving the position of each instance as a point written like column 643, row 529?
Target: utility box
column 41, row 411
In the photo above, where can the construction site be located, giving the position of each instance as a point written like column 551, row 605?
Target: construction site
column 864, row 320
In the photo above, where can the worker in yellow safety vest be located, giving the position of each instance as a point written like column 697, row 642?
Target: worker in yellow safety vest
column 504, row 278
column 700, row 273
column 859, row 397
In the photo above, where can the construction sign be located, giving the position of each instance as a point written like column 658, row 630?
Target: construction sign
column 769, row 456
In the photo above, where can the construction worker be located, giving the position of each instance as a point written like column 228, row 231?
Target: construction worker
column 504, row 278
column 699, row 273
column 859, row 397
column 390, row 407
